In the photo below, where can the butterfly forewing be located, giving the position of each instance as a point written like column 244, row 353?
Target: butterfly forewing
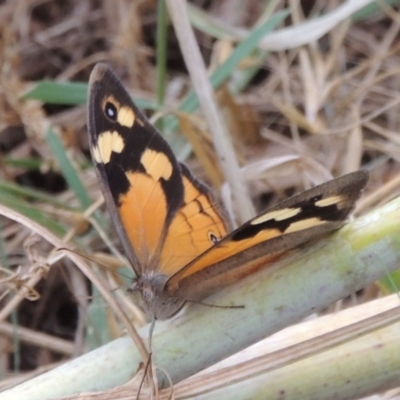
column 197, row 226
column 164, row 217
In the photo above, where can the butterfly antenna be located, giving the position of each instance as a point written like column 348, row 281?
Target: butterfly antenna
column 214, row 305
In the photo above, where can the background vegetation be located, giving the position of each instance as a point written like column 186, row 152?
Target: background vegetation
column 308, row 90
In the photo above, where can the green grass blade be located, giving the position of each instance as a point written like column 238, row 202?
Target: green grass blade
column 244, row 49
column 161, row 54
column 68, row 93
column 32, row 212
column 69, row 173
column 29, row 193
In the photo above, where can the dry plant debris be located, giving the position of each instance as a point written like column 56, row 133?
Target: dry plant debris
column 297, row 116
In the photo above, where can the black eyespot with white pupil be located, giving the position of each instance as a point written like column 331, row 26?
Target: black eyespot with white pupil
column 213, row 237
column 111, row 111
column 316, row 198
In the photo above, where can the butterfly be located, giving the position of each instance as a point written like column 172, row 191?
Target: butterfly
column 174, row 233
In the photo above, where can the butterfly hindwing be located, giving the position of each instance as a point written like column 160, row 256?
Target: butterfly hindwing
column 261, row 240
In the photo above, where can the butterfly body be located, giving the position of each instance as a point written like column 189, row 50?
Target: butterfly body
column 173, row 232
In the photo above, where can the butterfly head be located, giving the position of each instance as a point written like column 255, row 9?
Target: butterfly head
column 149, row 294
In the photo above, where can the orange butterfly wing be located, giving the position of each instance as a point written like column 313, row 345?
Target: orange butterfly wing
column 301, row 218
column 197, row 225
column 164, row 217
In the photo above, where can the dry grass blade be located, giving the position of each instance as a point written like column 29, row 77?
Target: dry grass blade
column 365, row 325
column 39, row 339
column 349, row 329
column 296, row 36
column 203, row 88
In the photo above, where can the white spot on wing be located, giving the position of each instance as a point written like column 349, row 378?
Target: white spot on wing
column 107, row 143
column 278, row 215
column 156, row 164
column 329, row 201
column 126, row 116
column 304, row 224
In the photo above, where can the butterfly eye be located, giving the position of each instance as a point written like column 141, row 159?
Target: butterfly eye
column 111, row 111
column 147, row 294
column 213, row 237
